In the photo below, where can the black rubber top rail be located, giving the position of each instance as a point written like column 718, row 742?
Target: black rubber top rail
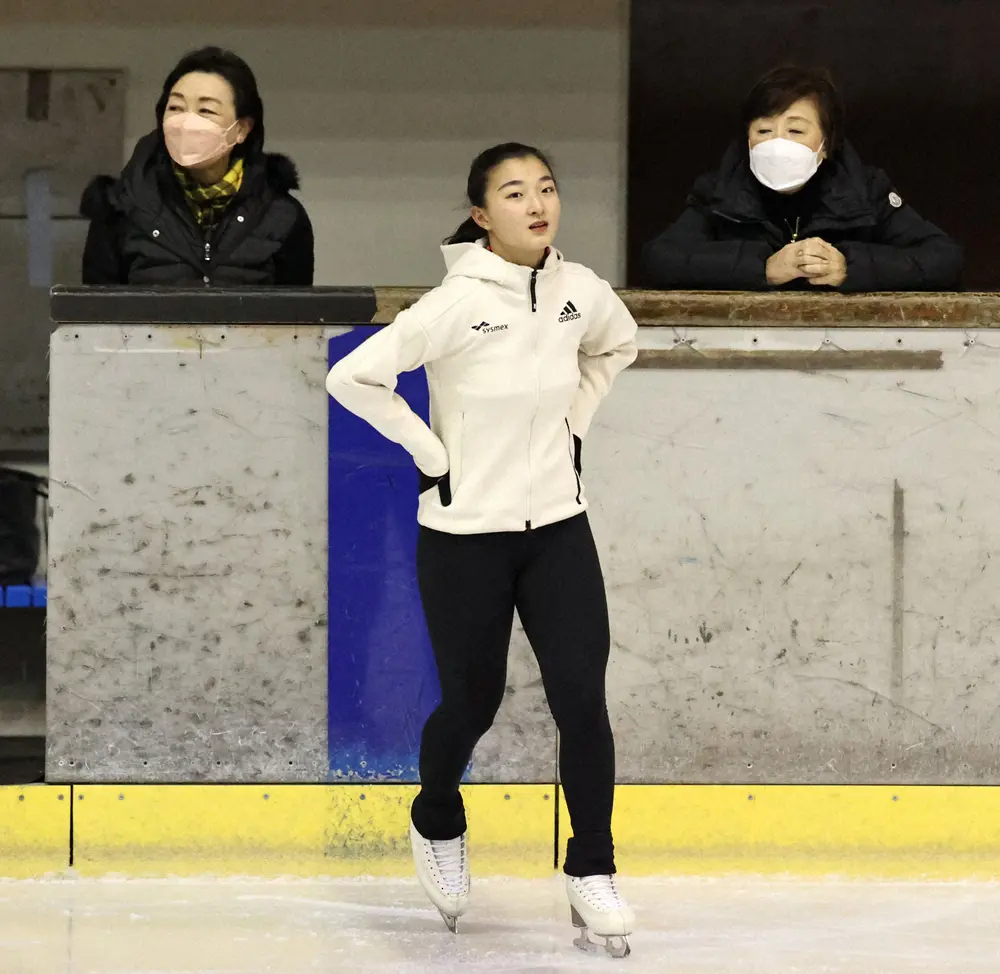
column 663, row 309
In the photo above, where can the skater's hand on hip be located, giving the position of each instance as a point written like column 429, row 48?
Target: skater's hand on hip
column 443, row 484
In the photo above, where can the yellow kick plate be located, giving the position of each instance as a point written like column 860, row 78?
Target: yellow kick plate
column 296, row 830
column 34, row 830
column 909, row 832
column 915, row 832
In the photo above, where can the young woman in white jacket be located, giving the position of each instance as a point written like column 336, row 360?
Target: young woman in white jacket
column 520, row 347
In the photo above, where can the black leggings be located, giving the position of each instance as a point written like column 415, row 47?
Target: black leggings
column 470, row 586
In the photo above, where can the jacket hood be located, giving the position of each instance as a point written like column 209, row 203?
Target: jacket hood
column 95, row 204
column 473, row 260
column 149, row 164
column 282, row 174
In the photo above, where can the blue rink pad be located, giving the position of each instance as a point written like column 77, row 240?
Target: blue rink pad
column 382, row 679
column 24, row 596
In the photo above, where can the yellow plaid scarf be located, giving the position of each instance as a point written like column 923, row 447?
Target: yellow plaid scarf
column 208, row 203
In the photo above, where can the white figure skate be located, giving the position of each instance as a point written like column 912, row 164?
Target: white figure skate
column 443, row 871
column 597, row 907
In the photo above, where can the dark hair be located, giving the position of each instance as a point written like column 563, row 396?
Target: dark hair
column 479, row 177
column 215, row 60
column 783, row 86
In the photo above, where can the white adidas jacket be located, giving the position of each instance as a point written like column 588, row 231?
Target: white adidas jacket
column 517, row 362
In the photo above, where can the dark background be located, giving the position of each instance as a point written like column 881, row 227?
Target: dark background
column 921, row 79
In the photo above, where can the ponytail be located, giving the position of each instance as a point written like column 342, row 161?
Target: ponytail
column 468, row 232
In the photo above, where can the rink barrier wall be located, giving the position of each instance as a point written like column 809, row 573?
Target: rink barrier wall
column 796, row 526
column 873, row 832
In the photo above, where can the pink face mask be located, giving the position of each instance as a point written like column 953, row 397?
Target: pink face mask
column 193, row 140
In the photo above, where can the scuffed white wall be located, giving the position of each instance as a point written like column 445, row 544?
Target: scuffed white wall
column 755, row 556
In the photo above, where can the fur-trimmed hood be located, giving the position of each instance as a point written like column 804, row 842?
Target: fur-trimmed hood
column 282, row 173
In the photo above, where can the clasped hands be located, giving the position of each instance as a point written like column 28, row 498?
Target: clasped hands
column 820, row 263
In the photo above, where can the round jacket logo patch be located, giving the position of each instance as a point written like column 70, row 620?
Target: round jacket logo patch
column 895, row 200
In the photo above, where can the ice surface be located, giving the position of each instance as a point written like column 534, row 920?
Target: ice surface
column 72, row 926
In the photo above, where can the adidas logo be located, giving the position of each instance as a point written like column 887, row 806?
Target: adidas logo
column 485, row 328
column 569, row 313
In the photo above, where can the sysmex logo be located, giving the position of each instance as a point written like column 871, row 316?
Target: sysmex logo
column 485, row 328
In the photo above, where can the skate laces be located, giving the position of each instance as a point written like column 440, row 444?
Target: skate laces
column 600, row 891
column 450, row 858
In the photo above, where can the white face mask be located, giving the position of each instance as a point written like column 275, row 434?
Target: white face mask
column 783, row 165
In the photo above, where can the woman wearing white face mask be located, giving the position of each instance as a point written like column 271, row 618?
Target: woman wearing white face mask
column 793, row 206
column 200, row 202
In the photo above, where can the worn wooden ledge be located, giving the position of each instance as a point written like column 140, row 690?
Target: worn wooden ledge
column 729, row 309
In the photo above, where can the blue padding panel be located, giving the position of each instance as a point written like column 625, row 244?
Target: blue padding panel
column 18, row 597
column 23, row 596
column 383, row 683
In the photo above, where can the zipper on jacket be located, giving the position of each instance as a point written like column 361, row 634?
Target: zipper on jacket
column 538, row 395
column 208, row 259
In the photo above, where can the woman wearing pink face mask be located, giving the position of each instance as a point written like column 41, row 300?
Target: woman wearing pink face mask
column 200, row 202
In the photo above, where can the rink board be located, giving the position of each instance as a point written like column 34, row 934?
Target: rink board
column 34, row 830
column 295, row 830
column 798, row 553
column 940, row 833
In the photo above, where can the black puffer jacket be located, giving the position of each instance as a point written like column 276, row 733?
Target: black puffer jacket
column 142, row 230
column 725, row 235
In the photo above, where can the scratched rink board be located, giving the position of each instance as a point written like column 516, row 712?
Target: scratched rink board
column 803, row 566
column 187, row 628
column 799, row 564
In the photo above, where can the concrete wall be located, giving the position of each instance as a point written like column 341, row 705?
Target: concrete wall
column 383, row 106
column 799, row 564
column 73, row 129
